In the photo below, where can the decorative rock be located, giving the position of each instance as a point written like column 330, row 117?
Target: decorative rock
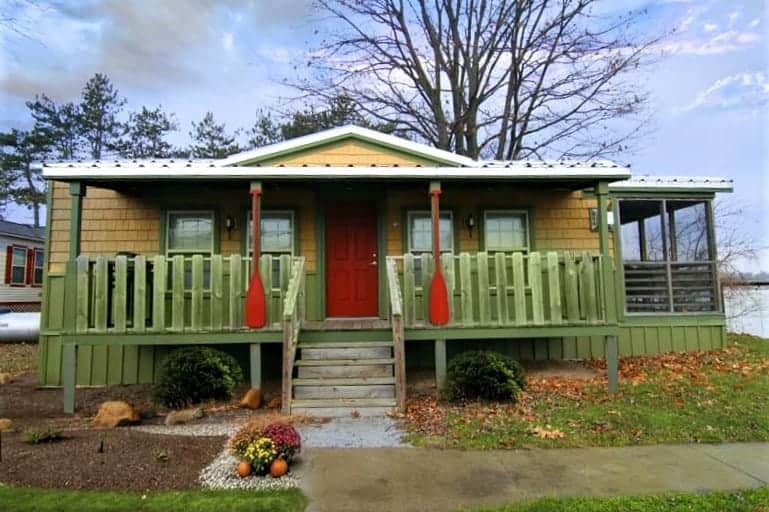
column 5, row 424
column 5, row 378
column 184, row 416
column 115, row 414
column 252, row 399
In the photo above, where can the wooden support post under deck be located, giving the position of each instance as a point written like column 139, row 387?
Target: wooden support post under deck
column 255, row 353
column 612, row 363
column 69, row 363
column 440, row 366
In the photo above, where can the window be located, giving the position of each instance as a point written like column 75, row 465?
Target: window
column 277, row 237
column 506, row 230
column 190, row 233
column 420, row 232
column 17, row 270
column 37, row 276
column 667, row 256
column 420, row 236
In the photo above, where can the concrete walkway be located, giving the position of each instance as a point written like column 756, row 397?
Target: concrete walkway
column 415, row 479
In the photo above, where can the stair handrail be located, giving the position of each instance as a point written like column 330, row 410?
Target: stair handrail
column 396, row 320
column 293, row 316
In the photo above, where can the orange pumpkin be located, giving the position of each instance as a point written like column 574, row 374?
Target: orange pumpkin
column 278, row 468
column 244, row 469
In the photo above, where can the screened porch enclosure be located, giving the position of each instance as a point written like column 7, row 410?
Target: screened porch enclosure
column 668, row 256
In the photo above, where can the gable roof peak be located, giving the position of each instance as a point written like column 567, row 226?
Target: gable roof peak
column 440, row 156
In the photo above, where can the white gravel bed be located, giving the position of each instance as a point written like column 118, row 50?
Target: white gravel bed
column 220, row 474
column 364, row 432
column 191, row 429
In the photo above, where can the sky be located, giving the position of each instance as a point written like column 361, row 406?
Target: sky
column 709, row 88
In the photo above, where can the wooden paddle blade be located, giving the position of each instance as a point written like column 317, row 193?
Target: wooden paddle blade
column 439, row 300
column 255, row 306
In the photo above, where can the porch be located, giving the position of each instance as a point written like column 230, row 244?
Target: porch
column 159, row 300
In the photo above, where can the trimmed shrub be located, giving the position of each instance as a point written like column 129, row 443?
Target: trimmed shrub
column 484, row 374
column 191, row 375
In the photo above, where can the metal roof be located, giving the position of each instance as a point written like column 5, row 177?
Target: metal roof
column 24, row 231
column 170, row 170
column 673, row 183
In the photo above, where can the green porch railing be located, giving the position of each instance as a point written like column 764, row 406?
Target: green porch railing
column 507, row 289
column 293, row 316
column 156, row 294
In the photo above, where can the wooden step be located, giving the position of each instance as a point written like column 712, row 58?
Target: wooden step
column 344, row 371
column 344, row 392
column 344, row 344
column 345, row 362
column 345, row 353
column 344, row 402
column 364, row 381
column 342, row 412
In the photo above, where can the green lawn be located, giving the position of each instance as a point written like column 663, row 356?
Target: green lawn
column 701, row 397
column 756, row 500
column 17, row 499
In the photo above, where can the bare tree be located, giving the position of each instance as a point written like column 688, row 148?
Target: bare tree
column 505, row 79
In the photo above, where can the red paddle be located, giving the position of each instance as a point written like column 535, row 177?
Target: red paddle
column 255, row 307
column 439, row 297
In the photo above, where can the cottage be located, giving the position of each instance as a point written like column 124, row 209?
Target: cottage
column 21, row 256
column 375, row 255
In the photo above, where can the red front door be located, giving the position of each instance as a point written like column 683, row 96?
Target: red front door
column 351, row 260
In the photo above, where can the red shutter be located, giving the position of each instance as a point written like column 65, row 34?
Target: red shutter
column 8, row 263
column 30, row 272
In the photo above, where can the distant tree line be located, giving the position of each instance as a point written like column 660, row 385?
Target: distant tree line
column 97, row 126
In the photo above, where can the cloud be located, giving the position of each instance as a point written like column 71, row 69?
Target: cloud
column 740, row 91
column 148, row 46
column 710, row 27
column 715, row 44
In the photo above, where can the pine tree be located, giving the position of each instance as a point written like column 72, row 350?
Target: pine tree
column 146, row 132
column 99, row 108
column 60, row 124
column 21, row 182
column 211, row 140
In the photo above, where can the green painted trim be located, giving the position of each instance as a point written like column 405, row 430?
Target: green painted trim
column 672, row 193
column 76, row 192
column 619, row 267
column 173, row 338
column 481, row 333
column 381, row 227
column 265, row 160
column 674, row 319
column 320, row 241
column 46, row 256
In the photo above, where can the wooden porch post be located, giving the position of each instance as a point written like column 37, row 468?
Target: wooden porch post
column 440, row 366
column 69, row 350
column 255, row 356
column 609, row 288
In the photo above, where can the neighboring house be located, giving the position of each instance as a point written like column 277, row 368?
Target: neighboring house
column 149, row 254
column 21, row 256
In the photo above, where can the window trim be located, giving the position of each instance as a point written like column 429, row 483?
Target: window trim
column 214, row 231
column 247, row 246
column 10, row 266
column 527, row 236
column 35, row 251
column 411, row 213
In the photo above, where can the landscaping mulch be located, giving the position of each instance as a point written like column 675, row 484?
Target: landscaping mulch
column 131, row 460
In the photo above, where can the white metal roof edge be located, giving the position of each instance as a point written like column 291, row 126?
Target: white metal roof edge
column 653, row 183
column 147, row 172
column 364, row 133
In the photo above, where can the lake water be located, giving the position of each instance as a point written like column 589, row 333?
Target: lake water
column 747, row 310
